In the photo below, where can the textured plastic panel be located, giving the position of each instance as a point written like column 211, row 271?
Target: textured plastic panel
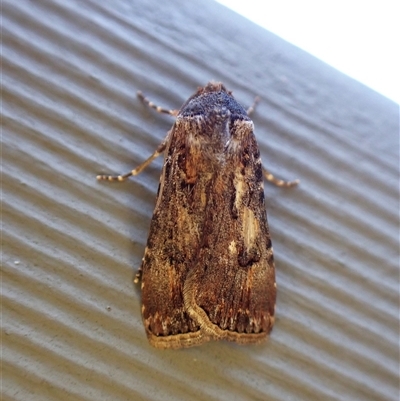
column 71, row 325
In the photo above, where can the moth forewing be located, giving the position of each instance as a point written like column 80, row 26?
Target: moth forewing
column 235, row 277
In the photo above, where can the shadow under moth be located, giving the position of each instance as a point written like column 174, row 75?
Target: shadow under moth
column 208, row 270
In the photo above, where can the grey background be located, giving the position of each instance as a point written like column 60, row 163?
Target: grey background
column 71, row 325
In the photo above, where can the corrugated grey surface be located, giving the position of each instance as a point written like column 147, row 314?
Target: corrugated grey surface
column 71, row 326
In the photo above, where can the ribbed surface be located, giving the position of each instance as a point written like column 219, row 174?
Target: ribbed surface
column 71, row 326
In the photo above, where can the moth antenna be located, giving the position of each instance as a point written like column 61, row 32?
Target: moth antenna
column 155, row 107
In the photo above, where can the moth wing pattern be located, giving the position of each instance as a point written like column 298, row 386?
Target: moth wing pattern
column 208, row 270
column 172, row 244
column 233, row 281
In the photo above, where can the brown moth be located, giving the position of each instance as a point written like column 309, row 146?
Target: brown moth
column 208, row 270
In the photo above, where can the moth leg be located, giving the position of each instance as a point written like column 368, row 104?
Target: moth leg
column 138, row 169
column 251, row 109
column 155, row 107
column 138, row 275
column 279, row 183
column 269, row 176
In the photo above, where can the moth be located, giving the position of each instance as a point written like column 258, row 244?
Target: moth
column 208, row 269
